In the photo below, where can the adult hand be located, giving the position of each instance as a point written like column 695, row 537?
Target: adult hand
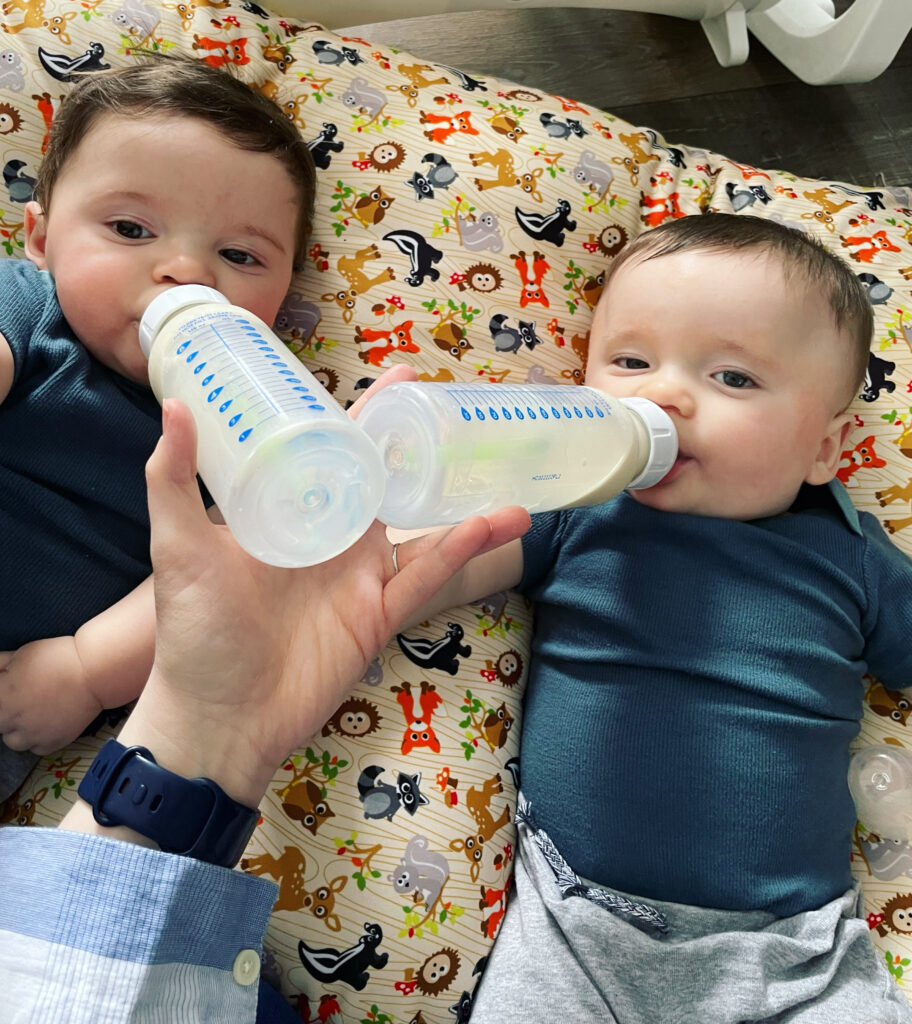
column 251, row 659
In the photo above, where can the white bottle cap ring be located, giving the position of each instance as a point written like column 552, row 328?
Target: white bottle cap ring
column 168, row 302
column 663, row 442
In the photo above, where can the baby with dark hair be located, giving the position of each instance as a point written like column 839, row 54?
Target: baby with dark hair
column 168, row 172
column 698, row 660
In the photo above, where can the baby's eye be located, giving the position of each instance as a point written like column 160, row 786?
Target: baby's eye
column 238, row 256
column 734, row 379
column 631, row 363
column 130, row 229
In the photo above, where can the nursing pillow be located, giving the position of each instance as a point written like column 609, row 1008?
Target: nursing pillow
column 464, row 224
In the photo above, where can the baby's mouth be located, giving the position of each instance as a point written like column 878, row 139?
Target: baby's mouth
column 680, row 462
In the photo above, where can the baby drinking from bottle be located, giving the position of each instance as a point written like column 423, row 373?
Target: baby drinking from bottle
column 165, row 173
column 699, row 647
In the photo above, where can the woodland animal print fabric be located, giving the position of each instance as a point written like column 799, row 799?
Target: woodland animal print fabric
column 463, row 223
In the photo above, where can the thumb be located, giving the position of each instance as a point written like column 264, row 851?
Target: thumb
column 176, row 509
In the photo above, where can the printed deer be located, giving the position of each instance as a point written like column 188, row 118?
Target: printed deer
column 288, row 871
column 502, row 162
column 352, row 269
column 478, row 802
column 33, row 17
column 896, row 492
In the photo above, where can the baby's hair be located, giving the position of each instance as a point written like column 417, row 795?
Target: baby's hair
column 800, row 254
column 176, row 86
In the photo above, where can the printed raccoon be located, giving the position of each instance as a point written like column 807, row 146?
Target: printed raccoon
column 381, row 800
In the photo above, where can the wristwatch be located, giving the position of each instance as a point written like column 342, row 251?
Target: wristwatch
column 192, row 817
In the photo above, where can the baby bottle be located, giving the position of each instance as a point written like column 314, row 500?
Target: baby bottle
column 455, row 450
column 296, row 481
column 880, row 780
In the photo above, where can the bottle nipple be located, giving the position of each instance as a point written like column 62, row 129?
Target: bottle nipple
column 880, row 781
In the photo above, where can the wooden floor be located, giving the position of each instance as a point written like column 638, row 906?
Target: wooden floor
column 659, row 72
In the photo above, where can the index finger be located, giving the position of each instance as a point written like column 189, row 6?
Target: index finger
column 396, row 375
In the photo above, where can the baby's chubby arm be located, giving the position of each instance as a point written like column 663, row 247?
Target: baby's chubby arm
column 50, row 690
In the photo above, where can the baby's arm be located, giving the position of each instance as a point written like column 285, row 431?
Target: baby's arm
column 50, row 690
column 500, row 569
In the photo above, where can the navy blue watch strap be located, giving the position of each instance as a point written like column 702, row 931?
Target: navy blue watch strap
column 192, row 817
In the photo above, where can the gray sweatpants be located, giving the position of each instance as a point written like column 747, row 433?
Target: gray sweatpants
column 569, row 959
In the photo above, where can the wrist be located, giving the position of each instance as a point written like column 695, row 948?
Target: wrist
column 127, row 787
column 195, row 740
column 79, row 818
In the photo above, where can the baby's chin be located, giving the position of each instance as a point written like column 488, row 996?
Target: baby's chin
column 665, row 499
column 657, row 498
column 136, row 370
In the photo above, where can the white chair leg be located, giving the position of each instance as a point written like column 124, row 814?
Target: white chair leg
column 823, row 50
column 727, row 35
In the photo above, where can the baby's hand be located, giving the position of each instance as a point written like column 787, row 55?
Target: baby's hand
column 45, row 697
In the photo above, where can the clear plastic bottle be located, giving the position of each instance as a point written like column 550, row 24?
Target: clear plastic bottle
column 455, row 450
column 880, row 780
column 295, row 479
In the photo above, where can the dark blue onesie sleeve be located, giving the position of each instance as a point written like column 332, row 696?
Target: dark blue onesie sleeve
column 888, row 626
column 74, row 440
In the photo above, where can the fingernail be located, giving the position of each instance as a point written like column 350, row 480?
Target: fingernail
column 166, row 414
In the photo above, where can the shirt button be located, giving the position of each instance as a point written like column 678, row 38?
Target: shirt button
column 246, row 968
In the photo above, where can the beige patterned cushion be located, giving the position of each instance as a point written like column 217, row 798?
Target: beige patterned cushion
column 446, row 201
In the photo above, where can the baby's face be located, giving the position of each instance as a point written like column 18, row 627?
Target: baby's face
column 748, row 367
column 144, row 205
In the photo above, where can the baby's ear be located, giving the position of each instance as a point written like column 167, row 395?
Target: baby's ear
column 831, row 448
column 35, row 235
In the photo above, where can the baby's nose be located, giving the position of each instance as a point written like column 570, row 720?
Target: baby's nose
column 669, row 391
column 184, row 266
